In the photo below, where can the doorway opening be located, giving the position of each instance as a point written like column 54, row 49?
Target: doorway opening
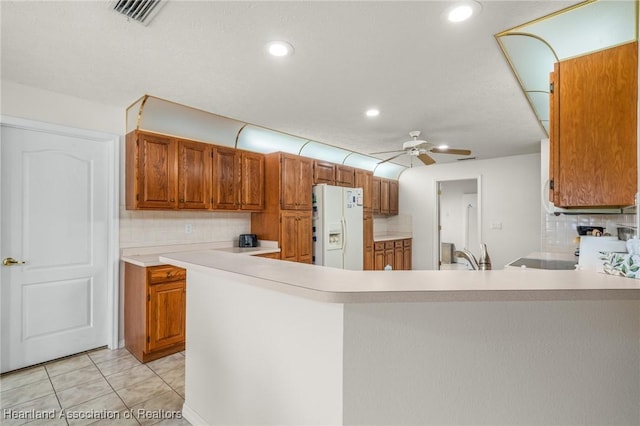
column 459, row 222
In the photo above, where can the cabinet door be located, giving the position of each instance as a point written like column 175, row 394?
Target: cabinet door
column 324, row 172
column 384, row 197
column 375, row 194
column 252, row 181
column 407, row 257
column 367, row 234
column 167, row 308
column 378, row 262
column 194, row 169
column 596, row 110
column 305, row 183
column 288, row 236
column 389, row 258
column 364, row 180
column 305, row 241
column 398, row 255
column 289, row 175
column 157, row 172
column 226, row 179
column 393, row 197
column 345, row 176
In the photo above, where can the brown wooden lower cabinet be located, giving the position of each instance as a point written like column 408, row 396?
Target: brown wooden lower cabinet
column 295, row 236
column 269, row 255
column 395, row 253
column 154, row 310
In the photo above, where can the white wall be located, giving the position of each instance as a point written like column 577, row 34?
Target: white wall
column 509, row 195
column 42, row 105
column 137, row 228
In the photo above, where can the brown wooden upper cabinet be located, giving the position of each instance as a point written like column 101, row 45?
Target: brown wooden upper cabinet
column 393, row 197
column 324, row 172
column 165, row 173
column 384, row 199
column 375, row 194
column 226, row 175
column 252, row 181
column 364, row 180
column 345, row 176
column 385, row 206
column 296, row 178
column 237, row 180
column 593, row 129
column 194, row 167
column 151, row 171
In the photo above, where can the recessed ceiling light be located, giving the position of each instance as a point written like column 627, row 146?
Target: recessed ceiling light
column 462, row 11
column 372, row 112
column 280, row 48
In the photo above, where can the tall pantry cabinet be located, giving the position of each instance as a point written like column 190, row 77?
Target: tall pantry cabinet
column 287, row 216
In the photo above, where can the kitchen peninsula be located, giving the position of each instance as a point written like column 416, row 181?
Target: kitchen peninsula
column 272, row 342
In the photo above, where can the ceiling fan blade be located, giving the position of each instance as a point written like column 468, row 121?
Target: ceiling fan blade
column 426, row 159
column 387, row 152
column 391, row 158
column 451, row 151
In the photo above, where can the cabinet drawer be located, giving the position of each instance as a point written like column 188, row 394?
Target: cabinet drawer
column 407, row 242
column 398, row 243
column 164, row 273
column 389, row 244
column 378, row 246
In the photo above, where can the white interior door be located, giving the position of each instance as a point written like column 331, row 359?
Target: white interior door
column 58, row 217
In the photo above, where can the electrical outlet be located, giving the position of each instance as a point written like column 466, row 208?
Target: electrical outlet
column 496, row 225
column 188, row 228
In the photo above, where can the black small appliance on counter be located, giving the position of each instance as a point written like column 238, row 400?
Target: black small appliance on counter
column 248, row 240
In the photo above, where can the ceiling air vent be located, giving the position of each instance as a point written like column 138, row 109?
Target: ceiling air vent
column 141, row 11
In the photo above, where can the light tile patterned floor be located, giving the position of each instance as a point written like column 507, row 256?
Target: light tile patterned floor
column 101, row 387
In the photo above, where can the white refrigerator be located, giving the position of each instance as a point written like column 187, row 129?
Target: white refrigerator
column 337, row 227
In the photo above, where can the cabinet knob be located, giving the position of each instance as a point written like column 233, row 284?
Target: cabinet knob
column 172, row 200
column 182, row 200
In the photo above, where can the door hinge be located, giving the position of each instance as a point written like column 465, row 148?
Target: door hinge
column 551, row 185
column 148, row 339
column 148, row 298
column 137, row 197
column 551, row 85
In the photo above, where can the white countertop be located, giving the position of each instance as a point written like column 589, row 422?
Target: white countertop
column 392, row 236
column 153, row 259
column 327, row 284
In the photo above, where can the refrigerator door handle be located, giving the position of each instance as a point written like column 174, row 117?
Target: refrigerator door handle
column 344, row 234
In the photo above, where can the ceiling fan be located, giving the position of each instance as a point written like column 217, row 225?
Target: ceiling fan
column 420, row 148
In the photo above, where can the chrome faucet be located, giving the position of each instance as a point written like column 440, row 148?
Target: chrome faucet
column 483, row 264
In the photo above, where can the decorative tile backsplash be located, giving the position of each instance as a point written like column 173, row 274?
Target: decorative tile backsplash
column 151, row 228
column 559, row 232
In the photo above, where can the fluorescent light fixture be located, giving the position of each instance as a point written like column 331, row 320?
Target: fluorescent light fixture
column 462, row 11
column 280, row 48
column 372, row 112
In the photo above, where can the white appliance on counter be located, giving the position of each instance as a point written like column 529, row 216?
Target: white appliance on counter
column 337, row 227
column 591, row 247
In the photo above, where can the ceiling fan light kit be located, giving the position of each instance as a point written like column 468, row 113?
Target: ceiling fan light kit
column 420, row 148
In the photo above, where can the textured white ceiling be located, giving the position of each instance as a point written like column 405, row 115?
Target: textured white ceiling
column 449, row 81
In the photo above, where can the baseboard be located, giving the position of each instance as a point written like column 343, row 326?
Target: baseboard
column 191, row 416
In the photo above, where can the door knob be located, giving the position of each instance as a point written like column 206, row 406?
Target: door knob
column 11, row 261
